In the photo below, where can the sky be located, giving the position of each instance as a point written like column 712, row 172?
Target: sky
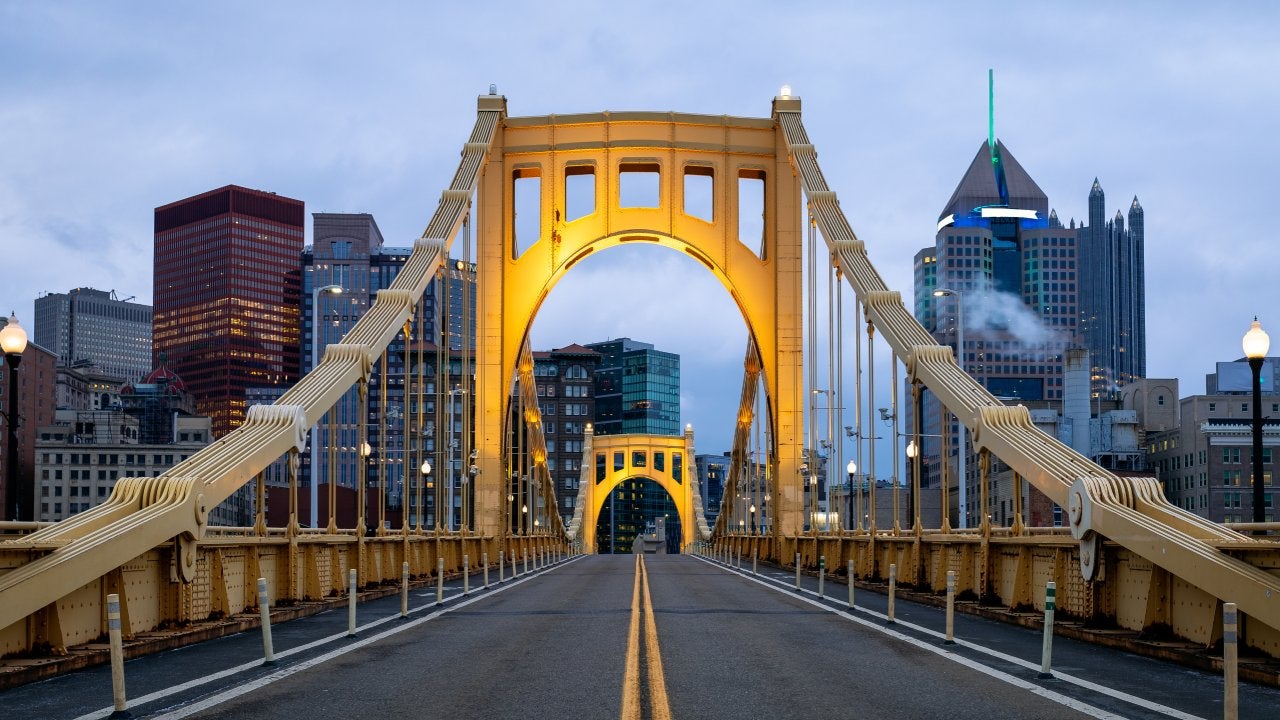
column 108, row 110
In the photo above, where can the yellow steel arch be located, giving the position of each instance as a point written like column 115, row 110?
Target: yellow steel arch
column 610, row 460
column 513, row 279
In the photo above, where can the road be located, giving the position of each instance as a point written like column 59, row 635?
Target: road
column 667, row 637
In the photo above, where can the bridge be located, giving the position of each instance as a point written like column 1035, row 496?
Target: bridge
column 1127, row 559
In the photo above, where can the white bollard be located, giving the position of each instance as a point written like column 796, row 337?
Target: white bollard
column 351, row 603
column 822, row 574
column 893, row 589
column 797, row 572
column 525, row 553
column 1046, row 651
column 850, row 586
column 755, row 561
column 951, row 608
column 502, row 570
column 1230, row 676
column 404, row 589
column 514, row 574
column 439, row 581
column 264, row 612
column 466, row 574
column 117, row 652
column 484, row 558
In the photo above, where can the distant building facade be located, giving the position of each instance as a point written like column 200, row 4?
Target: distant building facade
column 84, row 454
column 226, row 292
column 349, row 252
column 565, row 380
column 94, row 328
column 1205, row 458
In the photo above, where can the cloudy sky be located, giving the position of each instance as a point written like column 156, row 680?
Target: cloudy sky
column 108, row 110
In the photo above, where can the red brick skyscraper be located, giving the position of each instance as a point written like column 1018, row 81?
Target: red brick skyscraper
column 227, row 289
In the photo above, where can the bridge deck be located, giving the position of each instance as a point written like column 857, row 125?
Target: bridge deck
column 556, row 645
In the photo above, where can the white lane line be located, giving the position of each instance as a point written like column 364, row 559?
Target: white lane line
column 1049, row 694
column 204, row 680
column 1026, row 664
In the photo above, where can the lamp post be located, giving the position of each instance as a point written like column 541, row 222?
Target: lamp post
column 1256, row 344
column 315, row 360
column 422, row 503
column 912, row 451
column 948, row 292
column 13, row 340
column 851, row 468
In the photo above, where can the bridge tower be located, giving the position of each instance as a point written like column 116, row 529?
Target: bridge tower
column 513, row 280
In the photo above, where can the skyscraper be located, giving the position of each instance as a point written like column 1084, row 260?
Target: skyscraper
column 227, row 294
column 637, row 389
column 999, row 286
column 1113, row 318
column 87, row 327
column 1012, row 269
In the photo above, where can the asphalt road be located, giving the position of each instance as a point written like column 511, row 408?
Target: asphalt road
column 559, row 645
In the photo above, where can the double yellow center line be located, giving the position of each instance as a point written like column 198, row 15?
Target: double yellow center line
column 659, row 707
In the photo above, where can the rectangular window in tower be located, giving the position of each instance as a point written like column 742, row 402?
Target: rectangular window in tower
column 579, row 191
column 639, row 185
column 699, row 192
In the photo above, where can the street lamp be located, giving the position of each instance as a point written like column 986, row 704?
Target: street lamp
column 13, row 340
column 422, row 503
column 851, row 468
column 315, row 429
column 948, row 292
column 1256, row 344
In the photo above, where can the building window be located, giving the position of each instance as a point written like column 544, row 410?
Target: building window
column 1160, row 400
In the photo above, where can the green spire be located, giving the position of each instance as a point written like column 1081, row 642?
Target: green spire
column 991, row 113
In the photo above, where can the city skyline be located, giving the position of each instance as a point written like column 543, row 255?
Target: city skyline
column 1191, row 104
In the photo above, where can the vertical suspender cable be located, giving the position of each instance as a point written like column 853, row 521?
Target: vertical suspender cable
column 857, row 411
column 468, row 404
column 871, row 441
column 811, row 289
column 443, row 365
column 839, row 343
column 897, row 454
column 833, row 449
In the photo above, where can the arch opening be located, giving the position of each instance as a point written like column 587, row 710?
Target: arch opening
column 632, row 508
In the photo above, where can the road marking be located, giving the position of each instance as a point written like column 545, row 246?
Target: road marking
column 292, row 669
column 1059, row 698
column 659, row 705
column 1013, row 660
column 631, row 672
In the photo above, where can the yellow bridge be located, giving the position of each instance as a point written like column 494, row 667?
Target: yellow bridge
column 1130, row 557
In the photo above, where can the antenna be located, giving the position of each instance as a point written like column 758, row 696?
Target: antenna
column 991, row 112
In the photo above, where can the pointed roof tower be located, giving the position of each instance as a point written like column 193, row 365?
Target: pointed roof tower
column 978, row 187
column 1096, row 189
